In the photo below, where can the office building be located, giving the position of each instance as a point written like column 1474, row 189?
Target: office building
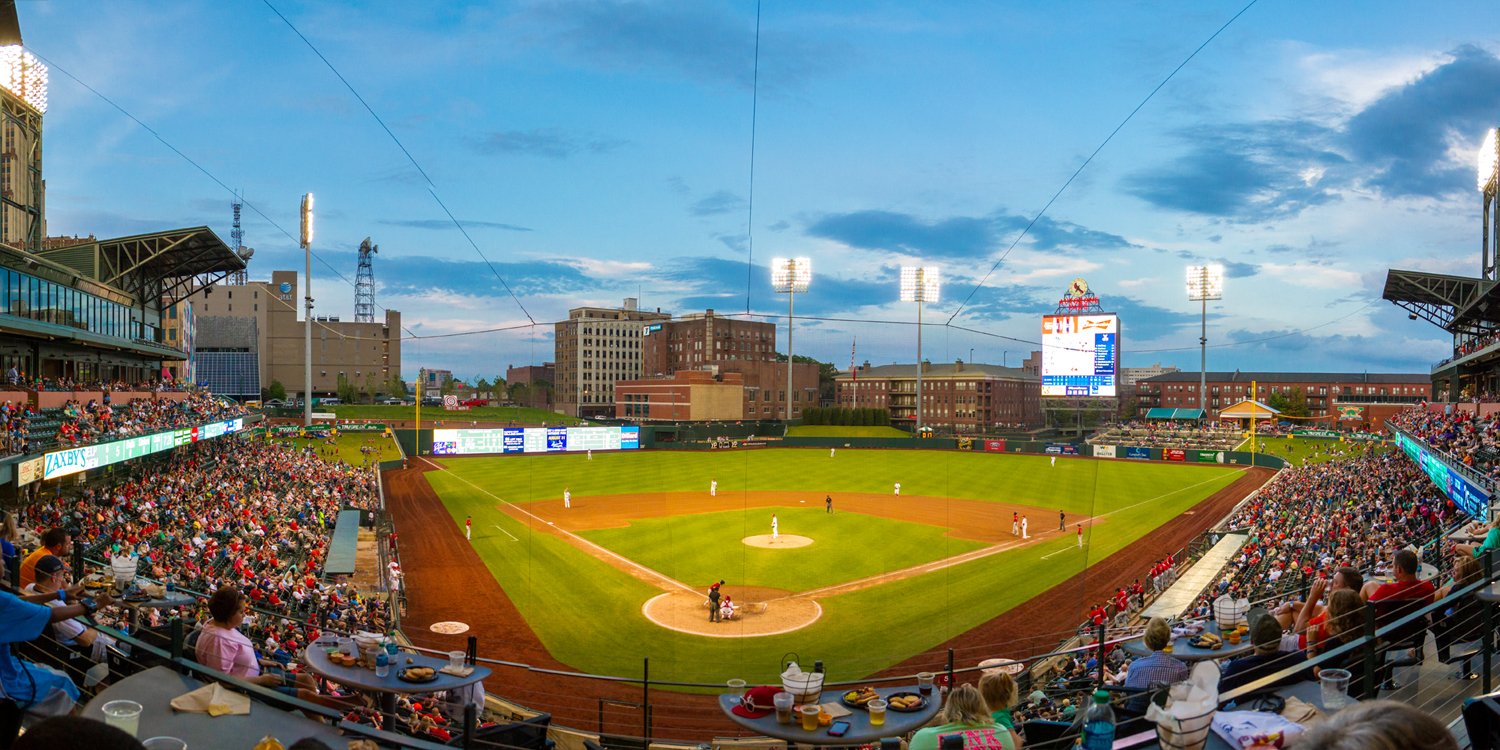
column 595, row 348
column 962, row 397
column 731, row 345
column 1353, row 399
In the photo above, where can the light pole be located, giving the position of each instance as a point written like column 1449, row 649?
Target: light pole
column 1204, row 283
column 919, row 284
column 307, row 239
column 790, row 276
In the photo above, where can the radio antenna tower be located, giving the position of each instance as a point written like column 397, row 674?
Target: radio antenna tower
column 364, row 283
column 237, row 239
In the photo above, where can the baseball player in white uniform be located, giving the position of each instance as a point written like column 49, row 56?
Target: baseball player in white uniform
column 713, row 488
column 567, row 499
column 898, row 488
column 1024, row 524
column 775, row 530
column 831, row 451
column 1054, row 460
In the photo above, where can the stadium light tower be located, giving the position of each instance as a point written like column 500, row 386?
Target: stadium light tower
column 1488, row 176
column 1204, row 283
column 790, row 276
column 307, row 239
column 920, row 284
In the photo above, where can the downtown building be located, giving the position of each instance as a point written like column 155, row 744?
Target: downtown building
column 963, row 397
column 595, row 348
column 1354, row 399
column 736, row 352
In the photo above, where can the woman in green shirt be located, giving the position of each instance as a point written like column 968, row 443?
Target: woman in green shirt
column 999, row 692
column 965, row 714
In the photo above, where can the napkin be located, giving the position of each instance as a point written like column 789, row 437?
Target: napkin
column 1186, row 718
column 463, row 671
column 835, row 710
column 213, row 700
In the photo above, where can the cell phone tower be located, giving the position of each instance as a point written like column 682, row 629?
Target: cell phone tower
column 237, row 240
column 364, row 283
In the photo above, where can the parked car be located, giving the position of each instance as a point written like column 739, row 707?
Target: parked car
column 275, row 403
column 476, row 402
column 392, row 401
column 330, row 401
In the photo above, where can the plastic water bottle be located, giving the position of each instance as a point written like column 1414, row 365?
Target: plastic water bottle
column 1099, row 724
column 383, row 668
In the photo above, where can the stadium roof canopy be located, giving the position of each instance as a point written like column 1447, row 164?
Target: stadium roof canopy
column 153, row 265
column 1457, row 304
column 1249, row 409
column 1163, row 412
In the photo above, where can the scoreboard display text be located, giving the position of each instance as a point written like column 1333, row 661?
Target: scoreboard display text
column 1080, row 355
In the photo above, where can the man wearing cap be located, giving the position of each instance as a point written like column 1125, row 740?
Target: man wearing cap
column 52, row 578
column 1266, row 658
column 40, row 691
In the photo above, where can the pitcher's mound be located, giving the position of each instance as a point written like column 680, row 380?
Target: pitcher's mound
column 785, row 541
column 761, row 611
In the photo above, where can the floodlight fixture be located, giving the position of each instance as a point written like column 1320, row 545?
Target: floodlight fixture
column 23, row 75
column 790, row 276
column 1488, row 162
column 307, row 220
column 920, row 284
column 1204, row 283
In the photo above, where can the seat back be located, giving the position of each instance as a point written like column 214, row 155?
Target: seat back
column 1388, row 611
column 10, row 723
column 528, row 733
column 1047, row 734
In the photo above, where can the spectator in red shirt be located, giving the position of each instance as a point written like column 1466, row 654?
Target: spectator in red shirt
column 1405, row 587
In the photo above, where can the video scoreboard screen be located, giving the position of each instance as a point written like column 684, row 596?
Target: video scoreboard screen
column 535, row 440
column 1080, row 355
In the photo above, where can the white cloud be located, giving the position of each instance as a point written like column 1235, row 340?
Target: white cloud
column 1313, row 275
column 1358, row 77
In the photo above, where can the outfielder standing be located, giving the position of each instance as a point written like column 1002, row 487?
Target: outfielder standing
column 713, row 488
column 898, row 488
column 567, row 498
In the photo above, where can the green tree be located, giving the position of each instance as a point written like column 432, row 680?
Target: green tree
column 346, row 390
column 481, row 386
column 276, row 391
column 371, row 385
column 1296, row 403
column 395, row 386
column 447, row 387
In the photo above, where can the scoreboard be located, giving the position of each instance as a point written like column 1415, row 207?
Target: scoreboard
column 1080, row 355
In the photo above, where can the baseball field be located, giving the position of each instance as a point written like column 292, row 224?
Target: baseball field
column 618, row 571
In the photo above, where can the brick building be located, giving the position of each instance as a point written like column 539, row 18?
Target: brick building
column 730, row 345
column 963, row 397
column 688, row 395
column 1356, row 399
column 595, row 348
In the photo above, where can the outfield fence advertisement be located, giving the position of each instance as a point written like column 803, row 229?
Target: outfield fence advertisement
column 1464, row 493
column 994, row 446
column 1137, row 452
column 73, row 460
column 1173, row 454
column 1104, row 451
column 534, row 440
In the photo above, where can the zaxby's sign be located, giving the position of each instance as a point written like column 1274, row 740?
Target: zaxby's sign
column 73, row 460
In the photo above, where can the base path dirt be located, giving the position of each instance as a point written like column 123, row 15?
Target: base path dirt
column 446, row 580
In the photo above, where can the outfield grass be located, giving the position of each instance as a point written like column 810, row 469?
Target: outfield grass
column 348, row 445
column 517, row 414
column 837, row 431
column 1315, row 450
column 588, row 614
column 846, row 547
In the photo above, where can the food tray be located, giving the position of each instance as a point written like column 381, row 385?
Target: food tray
column 903, row 694
column 404, row 678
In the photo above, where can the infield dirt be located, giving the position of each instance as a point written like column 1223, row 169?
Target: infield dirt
column 446, row 580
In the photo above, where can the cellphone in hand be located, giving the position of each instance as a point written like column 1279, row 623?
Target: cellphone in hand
column 838, row 729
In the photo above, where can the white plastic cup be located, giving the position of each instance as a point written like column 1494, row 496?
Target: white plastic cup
column 164, row 743
column 456, row 659
column 1335, row 684
column 123, row 715
column 783, row 702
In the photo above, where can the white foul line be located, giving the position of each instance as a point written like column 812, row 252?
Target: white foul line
column 507, row 533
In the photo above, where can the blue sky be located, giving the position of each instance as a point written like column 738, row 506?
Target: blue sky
column 601, row 150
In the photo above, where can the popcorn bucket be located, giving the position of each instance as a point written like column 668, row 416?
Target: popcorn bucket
column 124, row 569
column 1190, row 733
column 805, row 687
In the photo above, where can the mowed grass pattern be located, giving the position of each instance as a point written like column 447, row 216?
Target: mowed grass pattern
column 588, row 613
column 847, row 546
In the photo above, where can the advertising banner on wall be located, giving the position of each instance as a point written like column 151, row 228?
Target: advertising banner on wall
column 534, row 440
column 73, row 460
column 1104, row 451
column 1064, row 449
column 1137, row 452
column 29, row 471
column 1208, row 457
column 994, row 446
column 1173, row 454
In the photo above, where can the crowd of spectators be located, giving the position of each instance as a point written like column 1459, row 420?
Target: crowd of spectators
column 16, row 379
column 99, row 421
column 1470, row 439
column 15, row 427
column 1170, row 434
column 234, row 513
